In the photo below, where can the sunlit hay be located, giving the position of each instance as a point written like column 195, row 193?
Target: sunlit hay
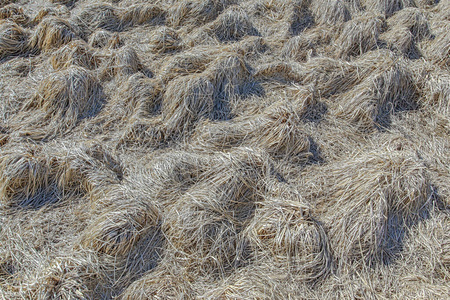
column 359, row 35
column 13, row 39
column 182, row 107
column 331, row 12
column 163, row 40
column 414, row 20
column 96, row 16
column 64, row 2
column 85, row 169
column 438, row 49
column 165, row 282
column 51, row 34
column 203, row 234
column 188, row 62
column 284, row 231
column 387, row 7
column 121, row 62
column 140, row 14
column 200, row 37
column 248, row 47
column 280, row 71
column 280, row 133
column 195, row 12
column 332, row 76
column 401, row 40
column 61, row 101
column 14, row 13
column 104, row 39
column 306, row 44
column 228, row 74
column 367, row 202
column 427, row 252
column 370, row 104
column 122, row 219
column 60, row 11
column 25, row 173
column 232, row 25
column 67, row 278
column 437, row 92
column 75, row 53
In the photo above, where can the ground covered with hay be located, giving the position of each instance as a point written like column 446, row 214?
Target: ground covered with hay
column 224, row 149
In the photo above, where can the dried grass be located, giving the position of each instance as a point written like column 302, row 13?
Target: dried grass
column 142, row 14
column 330, row 12
column 387, row 7
column 121, row 62
column 164, row 39
column 14, row 13
column 13, row 40
column 233, row 24
column 75, row 53
column 104, row 39
column 51, row 34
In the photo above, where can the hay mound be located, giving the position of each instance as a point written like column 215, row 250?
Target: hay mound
column 142, row 14
column 233, row 24
column 14, row 13
column 307, row 43
column 359, row 36
column 370, row 104
column 182, row 107
column 13, row 40
column 25, row 173
column 283, row 231
column 331, row 12
column 414, row 20
column 122, row 221
column 104, row 38
column 438, row 50
column 51, row 34
column 164, row 39
column 96, row 16
column 122, row 62
column 75, row 53
column 61, row 101
column 387, row 7
column 371, row 201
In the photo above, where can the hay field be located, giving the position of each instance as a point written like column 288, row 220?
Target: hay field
column 224, row 149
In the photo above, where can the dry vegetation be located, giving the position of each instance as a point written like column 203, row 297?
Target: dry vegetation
column 223, row 149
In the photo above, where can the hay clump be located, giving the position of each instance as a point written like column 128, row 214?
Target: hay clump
column 96, row 16
column 370, row 202
column 231, row 25
column 370, row 104
column 123, row 219
column 438, row 50
column 359, row 35
column 400, row 40
column 76, row 53
column 282, row 71
column 307, row 44
column 14, row 13
column 61, row 101
column 284, row 232
column 13, row 40
column 142, row 14
column 414, row 20
column 164, row 39
column 25, row 172
column 121, row 62
column 182, row 107
column 331, row 12
column 387, row 7
column 52, row 33
column 104, row 38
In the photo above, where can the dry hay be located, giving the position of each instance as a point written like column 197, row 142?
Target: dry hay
column 25, row 172
column 368, row 202
column 121, row 62
column 438, row 50
column 182, row 107
column 231, row 25
column 389, row 90
column 414, row 20
column 49, row 11
column 102, row 38
column 437, row 92
column 331, row 12
column 142, row 14
column 195, row 12
column 96, row 16
column 359, row 36
column 51, row 34
column 61, row 101
column 306, row 44
column 122, row 219
column 387, row 7
column 13, row 39
column 285, row 232
column 281, row 71
column 164, row 39
column 75, row 53
column 14, row 13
